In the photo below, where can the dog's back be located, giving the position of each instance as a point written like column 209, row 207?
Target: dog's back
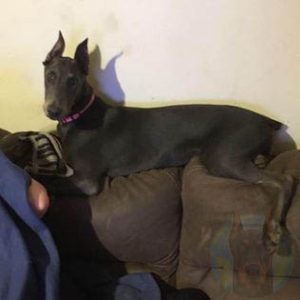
column 130, row 140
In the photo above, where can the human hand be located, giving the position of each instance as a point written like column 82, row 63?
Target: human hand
column 38, row 198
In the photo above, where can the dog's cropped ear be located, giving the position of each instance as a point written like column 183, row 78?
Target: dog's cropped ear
column 82, row 56
column 237, row 226
column 57, row 49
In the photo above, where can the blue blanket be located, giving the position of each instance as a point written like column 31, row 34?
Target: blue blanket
column 29, row 263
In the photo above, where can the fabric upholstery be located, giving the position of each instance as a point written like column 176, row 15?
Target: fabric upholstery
column 138, row 219
column 221, row 250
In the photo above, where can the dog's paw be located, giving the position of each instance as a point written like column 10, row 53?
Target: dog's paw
column 87, row 186
column 277, row 239
column 261, row 161
column 272, row 236
column 272, row 232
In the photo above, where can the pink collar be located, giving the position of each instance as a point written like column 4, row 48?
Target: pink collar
column 71, row 118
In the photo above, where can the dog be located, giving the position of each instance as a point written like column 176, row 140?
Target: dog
column 252, row 262
column 101, row 139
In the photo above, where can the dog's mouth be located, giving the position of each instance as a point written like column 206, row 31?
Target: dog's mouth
column 53, row 113
column 53, row 116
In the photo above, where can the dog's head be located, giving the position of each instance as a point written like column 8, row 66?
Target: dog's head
column 252, row 261
column 65, row 79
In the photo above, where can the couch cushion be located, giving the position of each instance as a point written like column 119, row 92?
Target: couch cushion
column 138, row 219
column 221, row 249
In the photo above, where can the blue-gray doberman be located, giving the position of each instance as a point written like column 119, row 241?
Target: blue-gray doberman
column 101, row 139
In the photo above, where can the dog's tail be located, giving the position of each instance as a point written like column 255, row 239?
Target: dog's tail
column 275, row 125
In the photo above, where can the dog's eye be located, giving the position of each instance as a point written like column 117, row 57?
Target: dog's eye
column 71, row 82
column 51, row 77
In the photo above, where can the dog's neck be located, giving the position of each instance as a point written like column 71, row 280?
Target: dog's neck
column 87, row 112
column 79, row 112
column 82, row 101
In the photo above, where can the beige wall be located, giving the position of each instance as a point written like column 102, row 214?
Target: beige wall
column 245, row 52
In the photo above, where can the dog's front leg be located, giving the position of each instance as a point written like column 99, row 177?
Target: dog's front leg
column 89, row 185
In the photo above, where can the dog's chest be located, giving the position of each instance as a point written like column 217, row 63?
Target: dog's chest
column 78, row 144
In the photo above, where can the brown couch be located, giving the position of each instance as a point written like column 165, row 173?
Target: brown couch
column 190, row 228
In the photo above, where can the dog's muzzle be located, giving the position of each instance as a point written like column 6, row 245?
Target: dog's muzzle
column 53, row 112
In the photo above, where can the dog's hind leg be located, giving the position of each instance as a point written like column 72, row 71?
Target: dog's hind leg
column 275, row 230
column 244, row 169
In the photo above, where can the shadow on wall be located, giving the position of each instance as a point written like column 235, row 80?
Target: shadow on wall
column 105, row 81
column 107, row 85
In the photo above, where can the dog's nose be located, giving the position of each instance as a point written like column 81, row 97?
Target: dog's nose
column 53, row 112
column 253, row 270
